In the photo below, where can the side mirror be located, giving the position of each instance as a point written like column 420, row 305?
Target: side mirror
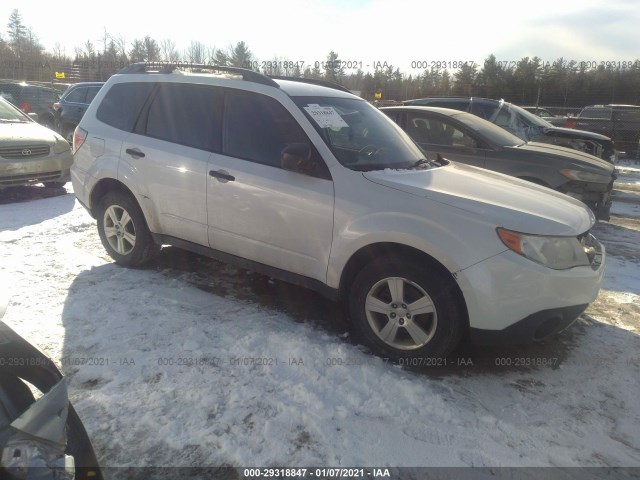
column 33, row 116
column 297, row 158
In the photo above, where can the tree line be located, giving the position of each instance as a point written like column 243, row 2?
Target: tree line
column 530, row 81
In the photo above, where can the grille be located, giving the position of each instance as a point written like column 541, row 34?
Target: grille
column 23, row 152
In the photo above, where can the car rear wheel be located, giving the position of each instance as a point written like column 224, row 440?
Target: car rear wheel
column 123, row 230
column 404, row 311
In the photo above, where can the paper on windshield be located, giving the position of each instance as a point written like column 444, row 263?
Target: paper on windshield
column 325, row 117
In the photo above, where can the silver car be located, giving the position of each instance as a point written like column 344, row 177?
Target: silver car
column 313, row 185
column 29, row 152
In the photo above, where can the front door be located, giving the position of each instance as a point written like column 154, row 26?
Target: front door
column 258, row 210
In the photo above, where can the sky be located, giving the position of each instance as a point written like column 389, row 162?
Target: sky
column 362, row 32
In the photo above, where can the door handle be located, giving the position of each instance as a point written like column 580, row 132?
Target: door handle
column 134, row 152
column 222, row 176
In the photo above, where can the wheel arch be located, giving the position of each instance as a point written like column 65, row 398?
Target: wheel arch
column 403, row 253
column 104, row 186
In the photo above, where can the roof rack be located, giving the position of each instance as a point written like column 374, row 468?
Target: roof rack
column 170, row 67
column 313, row 81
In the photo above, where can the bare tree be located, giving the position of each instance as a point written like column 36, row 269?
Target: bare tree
column 196, row 53
column 169, row 53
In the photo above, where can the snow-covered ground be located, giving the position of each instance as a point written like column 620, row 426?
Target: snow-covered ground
column 189, row 362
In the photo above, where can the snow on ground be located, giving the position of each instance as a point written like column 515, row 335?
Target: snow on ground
column 189, row 362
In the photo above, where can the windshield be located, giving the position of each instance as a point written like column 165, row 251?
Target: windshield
column 359, row 135
column 489, row 131
column 9, row 114
column 531, row 118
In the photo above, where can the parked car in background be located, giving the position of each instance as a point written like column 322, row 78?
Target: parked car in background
column 29, row 152
column 40, row 438
column 31, row 97
column 555, row 120
column 539, row 111
column 315, row 186
column 466, row 138
column 72, row 105
column 620, row 122
column 526, row 125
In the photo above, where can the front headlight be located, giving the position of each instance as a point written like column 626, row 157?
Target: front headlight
column 585, row 176
column 61, row 145
column 559, row 253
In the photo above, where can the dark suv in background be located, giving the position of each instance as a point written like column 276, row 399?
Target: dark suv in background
column 71, row 107
column 526, row 125
column 620, row 122
column 31, row 97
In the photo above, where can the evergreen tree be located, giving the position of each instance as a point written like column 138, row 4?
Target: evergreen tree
column 241, row 56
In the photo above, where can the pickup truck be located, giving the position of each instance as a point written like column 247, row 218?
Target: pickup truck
column 620, row 122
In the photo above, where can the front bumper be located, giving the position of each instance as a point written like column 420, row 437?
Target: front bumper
column 536, row 326
column 597, row 196
column 511, row 299
column 53, row 168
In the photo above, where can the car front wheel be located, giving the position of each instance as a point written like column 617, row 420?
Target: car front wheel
column 123, row 230
column 403, row 311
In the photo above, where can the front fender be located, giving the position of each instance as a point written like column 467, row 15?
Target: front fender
column 454, row 248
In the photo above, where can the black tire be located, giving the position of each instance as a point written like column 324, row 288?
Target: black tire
column 126, row 238
column 441, row 329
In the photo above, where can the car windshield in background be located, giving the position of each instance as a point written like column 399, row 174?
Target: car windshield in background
column 494, row 134
column 530, row 117
column 9, row 114
column 361, row 137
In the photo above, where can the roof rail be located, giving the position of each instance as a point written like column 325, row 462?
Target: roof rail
column 313, row 81
column 170, row 67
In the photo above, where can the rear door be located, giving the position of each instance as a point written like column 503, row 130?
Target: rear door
column 168, row 153
column 255, row 208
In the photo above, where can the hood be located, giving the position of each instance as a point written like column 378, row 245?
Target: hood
column 499, row 199
column 581, row 159
column 572, row 133
column 28, row 132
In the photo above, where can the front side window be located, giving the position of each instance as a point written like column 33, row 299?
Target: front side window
column 359, row 135
column 258, row 128
column 436, row 131
column 185, row 114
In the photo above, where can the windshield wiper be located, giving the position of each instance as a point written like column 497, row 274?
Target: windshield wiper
column 424, row 163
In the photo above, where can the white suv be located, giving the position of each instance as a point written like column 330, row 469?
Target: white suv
column 310, row 184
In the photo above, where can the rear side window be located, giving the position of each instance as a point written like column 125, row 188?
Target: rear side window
column 628, row 115
column 603, row 113
column 122, row 104
column 186, row 114
column 91, row 93
column 77, row 95
column 258, row 128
